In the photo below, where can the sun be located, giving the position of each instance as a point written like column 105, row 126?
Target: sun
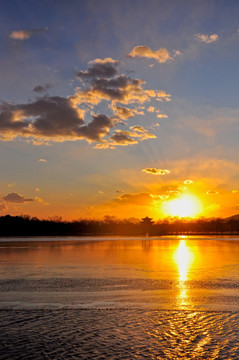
column 184, row 206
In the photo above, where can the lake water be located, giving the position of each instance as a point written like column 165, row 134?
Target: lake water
column 119, row 298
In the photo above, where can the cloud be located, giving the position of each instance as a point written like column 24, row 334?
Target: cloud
column 235, row 191
column 121, row 89
column 212, row 192
column 150, row 109
column 138, row 199
column 25, row 34
column 188, row 182
column 46, row 116
column 41, row 201
column 138, row 128
column 162, row 96
column 97, row 128
column 207, row 38
column 141, row 133
column 42, row 88
column 42, row 160
column 123, row 112
column 16, row 198
column 155, row 171
column 123, row 138
column 162, row 116
column 103, row 82
column 53, row 118
column 161, row 55
column 50, row 117
column 105, row 68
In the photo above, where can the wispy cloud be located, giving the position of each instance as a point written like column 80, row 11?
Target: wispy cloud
column 161, row 55
column 154, row 171
column 207, row 38
column 25, row 34
column 41, row 201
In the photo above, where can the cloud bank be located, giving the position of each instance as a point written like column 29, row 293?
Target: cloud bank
column 54, row 118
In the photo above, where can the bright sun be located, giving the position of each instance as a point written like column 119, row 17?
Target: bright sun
column 184, row 206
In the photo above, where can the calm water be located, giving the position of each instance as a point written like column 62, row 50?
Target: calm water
column 118, row 298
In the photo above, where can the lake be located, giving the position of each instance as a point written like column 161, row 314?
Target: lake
column 119, row 298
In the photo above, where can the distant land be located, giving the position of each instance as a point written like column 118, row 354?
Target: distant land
column 26, row 226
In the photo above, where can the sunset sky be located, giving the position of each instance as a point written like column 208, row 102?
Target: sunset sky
column 124, row 108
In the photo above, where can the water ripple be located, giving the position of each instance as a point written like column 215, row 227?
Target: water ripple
column 118, row 334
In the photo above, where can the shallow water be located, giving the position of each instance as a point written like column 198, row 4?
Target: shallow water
column 103, row 298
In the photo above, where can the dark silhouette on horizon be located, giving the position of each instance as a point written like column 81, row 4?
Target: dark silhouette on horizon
column 31, row 226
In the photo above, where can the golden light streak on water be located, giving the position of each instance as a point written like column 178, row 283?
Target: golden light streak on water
column 183, row 257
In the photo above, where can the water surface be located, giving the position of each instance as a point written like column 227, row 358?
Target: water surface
column 119, row 298
column 160, row 273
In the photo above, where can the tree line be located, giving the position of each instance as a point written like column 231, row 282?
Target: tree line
column 31, row 226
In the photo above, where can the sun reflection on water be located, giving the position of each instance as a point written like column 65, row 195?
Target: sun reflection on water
column 183, row 258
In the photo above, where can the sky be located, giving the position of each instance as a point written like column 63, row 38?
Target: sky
column 119, row 108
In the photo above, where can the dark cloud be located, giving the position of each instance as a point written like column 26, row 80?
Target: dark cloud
column 100, row 69
column 105, row 83
column 97, row 128
column 16, row 198
column 117, row 88
column 25, row 34
column 51, row 117
column 42, row 88
column 123, row 138
column 46, row 116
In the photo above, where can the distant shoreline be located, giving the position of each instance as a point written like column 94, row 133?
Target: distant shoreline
column 25, row 226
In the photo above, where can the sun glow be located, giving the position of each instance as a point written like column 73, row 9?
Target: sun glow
column 184, row 206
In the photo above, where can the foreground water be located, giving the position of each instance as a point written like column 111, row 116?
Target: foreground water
column 117, row 298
